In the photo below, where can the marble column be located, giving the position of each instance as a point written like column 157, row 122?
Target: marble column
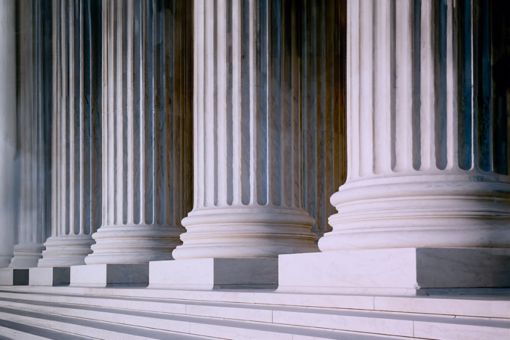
column 247, row 141
column 424, row 170
column 34, row 126
column 323, row 107
column 147, row 130
column 76, row 153
column 426, row 204
column 8, row 173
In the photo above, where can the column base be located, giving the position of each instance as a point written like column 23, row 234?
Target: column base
column 215, row 273
column 110, row 275
column 26, row 255
column 133, row 244
column 449, row 209
column 245, row 232
column 13, row 277
column 66, row 251
column 52, row 276
column 405, row 271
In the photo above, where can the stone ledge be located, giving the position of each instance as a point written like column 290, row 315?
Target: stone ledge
column 50, row 276
column 108, row 275
column 405, row 271
column 215, row 273
column 13, row 277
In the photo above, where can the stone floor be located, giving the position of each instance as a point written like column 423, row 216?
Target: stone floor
column 145, row 313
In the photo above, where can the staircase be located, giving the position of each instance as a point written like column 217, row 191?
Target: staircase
column 144, row 313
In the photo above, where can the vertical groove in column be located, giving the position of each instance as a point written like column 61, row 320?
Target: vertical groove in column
column 77, row 154
column 148, row 136
column 34, row 123
column 440, row 119
column 353, row 58
column 451, row 83
column 465, row 85
column 365, row 133
column 247, row 91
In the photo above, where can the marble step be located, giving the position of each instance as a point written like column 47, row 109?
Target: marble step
column 19, row 331
column 486, row 306
column 37, row 324
column 199, row 326
column 387, row 323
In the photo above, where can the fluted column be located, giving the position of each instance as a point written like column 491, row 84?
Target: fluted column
column 323, row 106
column 76, row 153
column 247, row 140
column 8, row 192
column 146, row 121
column 34, row 122
column 428, row 161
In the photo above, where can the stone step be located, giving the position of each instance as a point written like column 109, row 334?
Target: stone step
column 387, row 323
column 486, row 306
column 12, row 331
column 199, row 326
column 50, row 325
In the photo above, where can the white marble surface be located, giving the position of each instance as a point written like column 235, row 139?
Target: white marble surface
column 53, row 276
column 404, row 271
column 13, row 277
column 211, row 273
column 106, row 275
column 462, row 305
column 266, row 317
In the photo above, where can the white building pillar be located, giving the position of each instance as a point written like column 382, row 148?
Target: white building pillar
column 248, row 200
column 248, row 177
column 427, row 198
column 8, row 192
column 146, row 145
column 34, row 124
column 76, row 153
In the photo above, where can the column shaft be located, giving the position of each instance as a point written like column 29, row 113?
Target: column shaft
column 8, row 173
column 248, row 192
column 34, row 126
column 146, row 120
column 424, row 150
column 76, row 154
